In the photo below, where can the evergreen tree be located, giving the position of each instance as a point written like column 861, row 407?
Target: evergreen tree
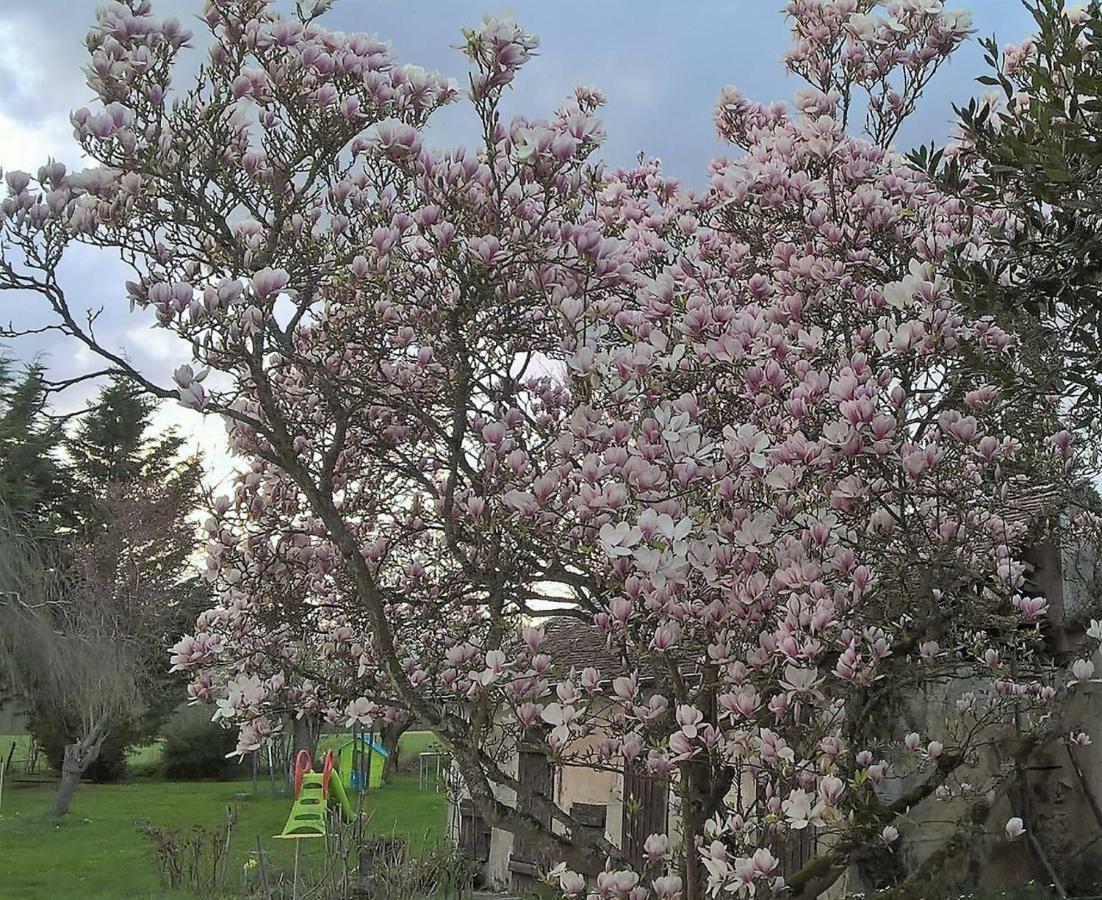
column 34, row 482
column 113, row 444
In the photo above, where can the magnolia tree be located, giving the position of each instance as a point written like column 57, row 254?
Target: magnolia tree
column 746, row 433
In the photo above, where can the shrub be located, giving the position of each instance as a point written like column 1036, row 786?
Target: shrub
column 193, row 857
column 195, row 747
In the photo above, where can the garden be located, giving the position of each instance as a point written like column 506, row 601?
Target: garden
column 409, row 488
column 151, row 837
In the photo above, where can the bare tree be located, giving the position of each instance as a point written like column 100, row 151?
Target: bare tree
column 82, row 628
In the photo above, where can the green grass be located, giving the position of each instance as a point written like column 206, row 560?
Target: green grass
column 22, row 745
column 98, row 851
column 144, row 759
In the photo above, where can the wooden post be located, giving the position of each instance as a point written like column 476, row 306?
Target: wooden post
column 354, row 759
column 263, row 870
column 370, row 754
column 271, row 772
column 294, row 884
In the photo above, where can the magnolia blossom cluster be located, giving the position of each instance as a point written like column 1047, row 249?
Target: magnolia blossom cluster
column 746, row 435
column 886, row 51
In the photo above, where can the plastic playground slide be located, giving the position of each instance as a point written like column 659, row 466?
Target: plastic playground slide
column 313, row 791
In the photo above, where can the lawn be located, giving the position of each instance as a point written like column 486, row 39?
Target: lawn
column 99, row 852
column 146, row 756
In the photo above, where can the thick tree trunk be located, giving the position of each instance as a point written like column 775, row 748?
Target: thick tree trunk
column 78, row 757
column 391, row 736
column 305, row 733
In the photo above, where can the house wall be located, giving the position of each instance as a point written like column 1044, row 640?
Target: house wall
column 573, row 784
column 962, row 843
column 501, row 841
column 581, row 784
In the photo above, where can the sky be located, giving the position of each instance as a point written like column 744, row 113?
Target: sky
column 661, row 63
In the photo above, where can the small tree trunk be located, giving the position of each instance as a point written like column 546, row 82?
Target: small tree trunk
column 78, row 757
column 690, row 826
column 71, row 771
column 698, row 787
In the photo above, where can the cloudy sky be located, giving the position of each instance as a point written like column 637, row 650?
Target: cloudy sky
column 661, row 63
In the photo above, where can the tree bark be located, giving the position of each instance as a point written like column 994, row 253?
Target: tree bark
column 78, row 757
column 694, row 889
column 696, row 799
column 305, row 733
column 391, row 736
column 306, row 730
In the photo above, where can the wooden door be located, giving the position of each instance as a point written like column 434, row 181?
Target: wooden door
column 646, row 807
column 474, row 833
column 525, row 862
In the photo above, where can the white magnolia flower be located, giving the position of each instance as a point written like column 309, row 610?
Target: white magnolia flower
column 800, row 681
column 801, row 810
column 862, row 26
column 1079, row 739
column 618, row 539
column 558, row 714
column 1082, row 671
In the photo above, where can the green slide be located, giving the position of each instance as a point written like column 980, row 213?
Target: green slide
column 307, row 818
column 336, row 789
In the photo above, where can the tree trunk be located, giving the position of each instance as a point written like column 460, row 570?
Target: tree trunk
column 691, row 826
column 305, row 733
column 78, row 757
column 391, row 736
column 701, row 795
column 71, row 771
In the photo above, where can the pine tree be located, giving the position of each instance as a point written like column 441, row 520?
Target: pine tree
column 34, row 482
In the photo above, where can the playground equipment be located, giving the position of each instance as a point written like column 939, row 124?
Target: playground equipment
column 362, row 761
column 313, row 792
